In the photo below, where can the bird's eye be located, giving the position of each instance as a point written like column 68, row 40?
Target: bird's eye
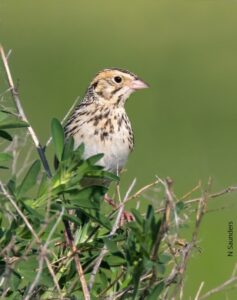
column 117, row 79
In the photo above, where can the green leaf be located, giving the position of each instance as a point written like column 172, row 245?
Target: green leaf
column 7, row 121
column 115, row 260
column 164, row 258
column 4, row 156
column 72, row 219
column 14, row 281
column 3, row 115
column 58, row 138
column 95, row 158
column 137, row 216
column 5, row 135
column 30, row 179
column 68, row 148
column 156, row 291
column 111, row 245
column 4, row 167
column 179, row 206
column 27, row 268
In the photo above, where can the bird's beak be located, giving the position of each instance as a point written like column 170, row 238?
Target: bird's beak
column 138, row 84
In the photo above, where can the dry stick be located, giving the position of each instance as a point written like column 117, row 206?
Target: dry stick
column 199, row 290
column 45, row 164
column 180, row 270
column 219, row 288
column 8, row 196
column 227, row 190
column 142, row 190
column 21, row 112
column 165, row 220
column 198, row 186
column 36, row 280
column 53, row 275
column 111, row 284
column 77, row 260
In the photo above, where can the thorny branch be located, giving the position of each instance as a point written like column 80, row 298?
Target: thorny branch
column 43, row 158
column 22, row 115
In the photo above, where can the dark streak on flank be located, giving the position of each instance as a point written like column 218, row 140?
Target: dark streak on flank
column 103, row 135
column 111, row 130
column 96, row 119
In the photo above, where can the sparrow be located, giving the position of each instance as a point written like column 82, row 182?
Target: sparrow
column 100, row 120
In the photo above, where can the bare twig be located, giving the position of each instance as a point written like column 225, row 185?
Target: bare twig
column 77, row 261
column 177, row 274
column 169, row 205
column 98, row 261
column 227, row 190
column 21, row 112
column 13, row 203
column 36, row 280
column 142, row 190
column 199, row 290
column 219, row 288
column 198, row 186
column 54, row 277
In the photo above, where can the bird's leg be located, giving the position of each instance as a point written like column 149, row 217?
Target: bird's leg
column 126, row 216
column 110, row 201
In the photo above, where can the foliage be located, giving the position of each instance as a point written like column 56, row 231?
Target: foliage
column 133, row 266
column 135, row 259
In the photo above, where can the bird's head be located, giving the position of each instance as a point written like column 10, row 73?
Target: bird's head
column 114, row 86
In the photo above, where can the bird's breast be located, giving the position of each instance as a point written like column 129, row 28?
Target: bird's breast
column 108, row 132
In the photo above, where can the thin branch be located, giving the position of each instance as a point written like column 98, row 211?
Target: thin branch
column 169, row 205
column 111, row 284
column 227, row 190
column 77, row 261
column 36, row 280
column 21, row 112
column 199, row 290
column 219, row 288
column 8, row 196
column 142, row 190
column 98, row 261
column 54, row 277
column 198, row 186
column 178, row 272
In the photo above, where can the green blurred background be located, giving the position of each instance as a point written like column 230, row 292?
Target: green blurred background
column 185, row 124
